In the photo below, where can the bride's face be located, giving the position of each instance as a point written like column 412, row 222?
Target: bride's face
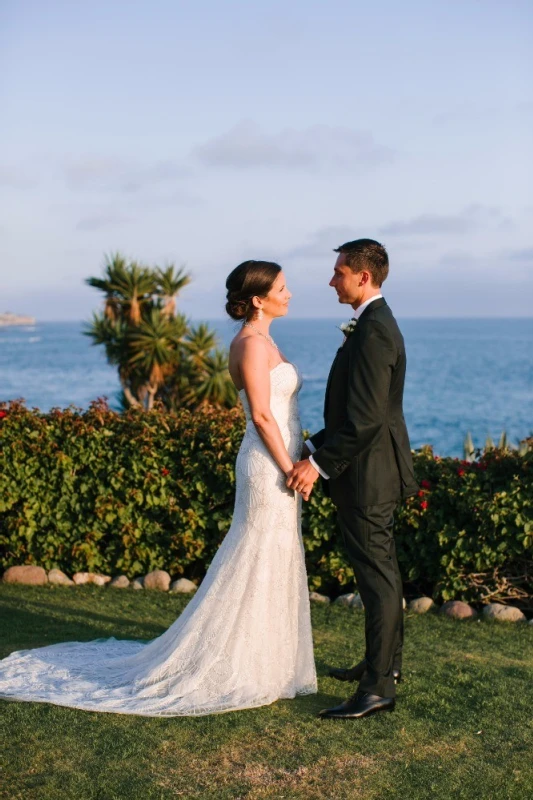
column 276, row 303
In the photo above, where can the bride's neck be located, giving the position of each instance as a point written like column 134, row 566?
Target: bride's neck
column 262, row 325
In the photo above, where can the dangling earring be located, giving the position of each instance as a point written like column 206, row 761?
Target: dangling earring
column 260, row 315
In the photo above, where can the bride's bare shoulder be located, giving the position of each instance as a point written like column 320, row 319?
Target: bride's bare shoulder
column 246, row 343
column 245, row 346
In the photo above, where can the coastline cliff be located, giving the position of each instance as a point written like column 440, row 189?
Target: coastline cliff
column 7, row 318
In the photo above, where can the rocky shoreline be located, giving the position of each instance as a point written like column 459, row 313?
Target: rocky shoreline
column 160, row 580
column 7, row 318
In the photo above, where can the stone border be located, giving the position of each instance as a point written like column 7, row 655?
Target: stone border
column 455, row 609
column 160, row 580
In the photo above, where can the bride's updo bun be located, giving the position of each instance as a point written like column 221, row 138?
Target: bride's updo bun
column 250, row 279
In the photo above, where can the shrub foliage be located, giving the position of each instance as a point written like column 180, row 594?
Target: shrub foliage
column 128, row 493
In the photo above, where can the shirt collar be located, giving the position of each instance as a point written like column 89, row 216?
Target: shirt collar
column 358, row 311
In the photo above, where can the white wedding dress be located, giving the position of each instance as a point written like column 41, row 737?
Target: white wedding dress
column 244, row 640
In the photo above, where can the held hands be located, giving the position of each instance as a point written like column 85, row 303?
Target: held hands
column 302, row 478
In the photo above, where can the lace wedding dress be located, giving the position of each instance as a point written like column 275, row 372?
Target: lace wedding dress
column 244, row 640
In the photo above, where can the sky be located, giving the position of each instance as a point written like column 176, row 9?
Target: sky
column 203, row 133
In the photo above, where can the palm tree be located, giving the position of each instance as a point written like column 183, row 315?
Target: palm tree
column 156, row 352
column 113, row 335
column 135, row 286
column 169, row 285
column 199, row 342
column 115, row 264
column 154, row 348
column 215, row 385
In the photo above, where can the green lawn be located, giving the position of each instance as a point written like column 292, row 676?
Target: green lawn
column 462, row 726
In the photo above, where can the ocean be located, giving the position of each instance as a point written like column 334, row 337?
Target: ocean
column 462, row 375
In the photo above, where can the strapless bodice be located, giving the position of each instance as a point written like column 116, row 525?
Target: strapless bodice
column 285, row 383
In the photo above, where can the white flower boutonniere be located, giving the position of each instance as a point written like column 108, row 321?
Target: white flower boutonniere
column 348, row 327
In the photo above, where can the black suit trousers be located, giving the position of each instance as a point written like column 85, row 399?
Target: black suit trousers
column 368, row 537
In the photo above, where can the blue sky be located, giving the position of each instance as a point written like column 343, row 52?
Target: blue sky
column 204, row 133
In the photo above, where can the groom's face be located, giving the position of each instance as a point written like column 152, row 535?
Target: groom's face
column 348, row 284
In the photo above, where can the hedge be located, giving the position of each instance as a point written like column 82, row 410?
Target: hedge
column 128, row 493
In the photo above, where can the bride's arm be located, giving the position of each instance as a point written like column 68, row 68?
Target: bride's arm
column 255, row 377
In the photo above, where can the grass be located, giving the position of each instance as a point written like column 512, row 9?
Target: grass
column 462, row 726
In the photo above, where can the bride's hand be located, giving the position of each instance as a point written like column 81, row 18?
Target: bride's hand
column 305, row 491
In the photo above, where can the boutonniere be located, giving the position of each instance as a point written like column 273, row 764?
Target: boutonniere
column 348, row 327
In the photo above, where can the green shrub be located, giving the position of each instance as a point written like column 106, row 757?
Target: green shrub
column 132, row 492
column 468, row 534
column 112, row 492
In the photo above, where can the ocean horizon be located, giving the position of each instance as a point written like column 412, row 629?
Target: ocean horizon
column 463, row 374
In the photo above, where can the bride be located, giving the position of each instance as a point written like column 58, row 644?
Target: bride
column 244, row 640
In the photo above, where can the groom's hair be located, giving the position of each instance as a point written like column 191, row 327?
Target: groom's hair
column 366, row 254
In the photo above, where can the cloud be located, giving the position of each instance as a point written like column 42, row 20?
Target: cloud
column 526, row 254
column 96, row 222
column 321, row 243
column 13, row 178
column 468, row 220
column 245, row 146
column 466, row 113
column 103, row 173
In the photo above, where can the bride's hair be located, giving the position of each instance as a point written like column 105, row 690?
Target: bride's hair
column 250, row 279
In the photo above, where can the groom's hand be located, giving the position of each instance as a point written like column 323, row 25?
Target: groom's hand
column 302, row 477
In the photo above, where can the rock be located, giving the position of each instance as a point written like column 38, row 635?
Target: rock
column 503, row 613
column 59, row 578
column 458, row 610
column 183, row 586
column 138, row 583
column 530, row 622
column 81, row 577
column 318, row 598
column 158, row 579
column 100, row 580
column 344, row 600
column 120, row 582
column 90, row 577
column 29, row 575
column 350, row 600
column 421, row 605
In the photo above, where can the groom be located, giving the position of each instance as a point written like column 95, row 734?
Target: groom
column 363, row 455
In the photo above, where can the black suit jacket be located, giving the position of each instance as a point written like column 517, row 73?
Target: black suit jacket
column 364, row 446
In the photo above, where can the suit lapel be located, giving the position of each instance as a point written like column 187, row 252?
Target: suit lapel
column 374, row 304
column 326, row 397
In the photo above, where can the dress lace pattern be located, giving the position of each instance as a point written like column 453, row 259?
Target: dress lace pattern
column 244, row 640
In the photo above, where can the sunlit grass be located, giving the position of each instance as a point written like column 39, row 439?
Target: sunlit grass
column 462, row 727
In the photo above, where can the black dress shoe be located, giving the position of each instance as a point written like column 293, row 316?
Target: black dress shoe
column 349, row 675
column 356, row 673
column 361, row 704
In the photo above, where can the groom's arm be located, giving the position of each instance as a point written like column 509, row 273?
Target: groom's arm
column 316, row 440
column 372, row 356
column 310, row 447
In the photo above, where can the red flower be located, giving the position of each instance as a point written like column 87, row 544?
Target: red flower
column 421, row 494
column 425, row 484
column 165, row 471
column 482, row 466
column 3, row 414
column 460, row 472
column 424, row 505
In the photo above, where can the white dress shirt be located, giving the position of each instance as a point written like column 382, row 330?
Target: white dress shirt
column 310, row 446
